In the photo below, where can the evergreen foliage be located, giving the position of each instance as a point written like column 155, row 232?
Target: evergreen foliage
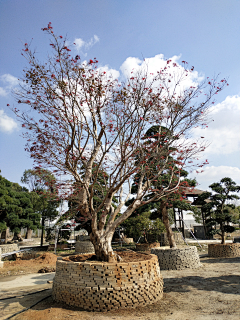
column 17, row 207
column 219, row 210
column 142, row 226
column 153, row 210
column 42, row 184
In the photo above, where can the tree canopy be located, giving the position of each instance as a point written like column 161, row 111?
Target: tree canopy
column 220, row 209
column 42, row 183
column 81, row 116
column 17, row 207
column 158, row 209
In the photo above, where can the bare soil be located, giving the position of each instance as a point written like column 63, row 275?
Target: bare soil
column 126, row 256
column 20, row 267
column 211, row 292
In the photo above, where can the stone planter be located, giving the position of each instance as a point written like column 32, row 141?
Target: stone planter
column 147, row 246
column 177, row 259
column 82, row 247
column 228, row 250
column 102, row 286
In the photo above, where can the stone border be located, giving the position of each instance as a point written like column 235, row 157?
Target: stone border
column 82, row 247
column 99, row 286
column 228, row 250
column 9, row 247
column 177, row 259
column 1, row 263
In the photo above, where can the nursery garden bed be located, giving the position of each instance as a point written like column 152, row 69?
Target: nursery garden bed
column 207, row 293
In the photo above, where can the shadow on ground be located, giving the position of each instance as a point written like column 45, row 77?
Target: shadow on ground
column 221, row 260
column 229, row 284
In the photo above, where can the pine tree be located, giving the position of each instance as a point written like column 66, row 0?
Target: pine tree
column 42, row 184
column 17, row 208
column 159, row 208
column 220, row 206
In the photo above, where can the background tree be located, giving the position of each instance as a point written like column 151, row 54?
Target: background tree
column 82, row 116
column 222, row 210
column 17, row 208
column 43, row 183
column 205, row 213
column 140, row 225
column 159, row 208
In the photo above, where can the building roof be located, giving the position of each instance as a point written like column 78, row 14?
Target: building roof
column 191, row 192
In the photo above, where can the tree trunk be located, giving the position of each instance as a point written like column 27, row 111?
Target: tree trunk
column 204, row 225
column 103, row 247
column 28, row 234
column 17, row 236
column 222, row 233
column 145, row 236
column 166, row 223
column 43, row 221
column 5, row 235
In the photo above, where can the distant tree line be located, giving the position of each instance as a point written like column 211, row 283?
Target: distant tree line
column 26, row 208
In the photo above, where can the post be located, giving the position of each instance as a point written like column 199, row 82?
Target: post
column 43, row 220
column 56, row 239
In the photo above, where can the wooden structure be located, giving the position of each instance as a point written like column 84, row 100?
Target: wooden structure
column 191, row 195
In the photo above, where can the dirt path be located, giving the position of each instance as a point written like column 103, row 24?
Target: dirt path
column 211, row 292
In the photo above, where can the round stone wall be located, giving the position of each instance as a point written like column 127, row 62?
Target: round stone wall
column 177, row 259
column 101, row 286
column 228, row 250
column 82, row 247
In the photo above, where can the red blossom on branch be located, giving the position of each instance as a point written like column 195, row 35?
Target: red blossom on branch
column 90, row 128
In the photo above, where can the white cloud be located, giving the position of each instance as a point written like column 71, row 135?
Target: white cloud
column 213, row 174
column 155, row 64
column 113, row 73
column 3, row 92
column 86, row 45
column 223, row 133
column 7, row 124
column 10, row 80
column 79, row 43
column 92, row 41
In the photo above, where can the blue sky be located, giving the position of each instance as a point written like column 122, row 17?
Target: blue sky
column 204, row 33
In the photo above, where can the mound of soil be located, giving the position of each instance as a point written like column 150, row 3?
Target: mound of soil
column 49, row 258
column 127, row 256
column 46, row 270
column 45, row 259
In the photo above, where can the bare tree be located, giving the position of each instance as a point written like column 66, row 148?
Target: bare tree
column 78, row 118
